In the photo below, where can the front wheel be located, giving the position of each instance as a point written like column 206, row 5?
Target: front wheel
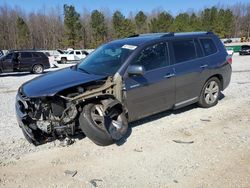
column 101, row 128
column 210, row 93
column 37, row 69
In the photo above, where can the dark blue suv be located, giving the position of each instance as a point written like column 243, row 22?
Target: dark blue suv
column 123, row 81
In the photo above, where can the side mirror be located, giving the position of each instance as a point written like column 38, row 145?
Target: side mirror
column 136, row 70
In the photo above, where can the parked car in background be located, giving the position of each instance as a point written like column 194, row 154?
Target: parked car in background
column 123, row 81
column 244, row 50
column 227, row 41
column 73, row 55
column 19, row 61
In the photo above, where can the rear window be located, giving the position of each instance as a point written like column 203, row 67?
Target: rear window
column 26, row 55
column 208, row 46
column 184, row 50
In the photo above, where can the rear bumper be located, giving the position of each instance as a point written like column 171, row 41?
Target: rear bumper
column 227, row 72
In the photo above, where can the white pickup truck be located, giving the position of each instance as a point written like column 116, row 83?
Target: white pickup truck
column 73, row 55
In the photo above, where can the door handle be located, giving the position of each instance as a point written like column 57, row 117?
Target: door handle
column 203, row 66
column 169, row 75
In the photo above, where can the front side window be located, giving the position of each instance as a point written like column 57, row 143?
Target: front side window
column 107, row 59
column 184, row 50
column 26, row 55
column 78, row 53
column 153, row 57
column 208, row 46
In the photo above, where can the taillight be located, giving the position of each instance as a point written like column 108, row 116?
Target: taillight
column 229, row 59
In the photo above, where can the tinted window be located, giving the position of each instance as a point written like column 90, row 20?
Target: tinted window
column 184, row 50
column 26, row 55
column 78, row 53
column 245, row 47
column 85, row 53
column 208, row 46
column 153, row 57
column 9, row 56
column 35, row 55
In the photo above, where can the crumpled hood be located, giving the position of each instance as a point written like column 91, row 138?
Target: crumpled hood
column 54, row 82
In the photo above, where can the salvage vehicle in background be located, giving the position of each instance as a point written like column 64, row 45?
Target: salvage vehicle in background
column 22, row 61
column 1, row 53
column 244, row 50
column 73, row 55
column 123, row 81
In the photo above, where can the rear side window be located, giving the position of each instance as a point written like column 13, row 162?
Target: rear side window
column 26, row 55
column 153, row 57
column 78, row 53
column 184, row 50
column 208, row 46
column 35, row 55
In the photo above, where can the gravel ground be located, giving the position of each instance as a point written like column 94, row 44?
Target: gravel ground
column 216, row 152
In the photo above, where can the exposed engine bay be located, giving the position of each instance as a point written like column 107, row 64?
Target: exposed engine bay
column 48, row 118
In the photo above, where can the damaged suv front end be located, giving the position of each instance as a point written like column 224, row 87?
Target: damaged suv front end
column 57, row 105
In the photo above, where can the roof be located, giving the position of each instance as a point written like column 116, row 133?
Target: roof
column 139, row 39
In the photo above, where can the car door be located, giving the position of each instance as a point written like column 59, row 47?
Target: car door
column 25, row 61
column 189, row 66
column 71, row 56
column 7, row 63
column 78, row 55
column 153, row 91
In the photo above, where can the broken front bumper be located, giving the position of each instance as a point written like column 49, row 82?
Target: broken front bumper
column 22, row 116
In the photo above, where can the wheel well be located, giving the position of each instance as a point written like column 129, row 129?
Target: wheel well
column 219, row 77
column 63, row 58
column 37, row 64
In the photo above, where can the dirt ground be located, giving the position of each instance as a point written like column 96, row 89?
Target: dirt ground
column 216, row 152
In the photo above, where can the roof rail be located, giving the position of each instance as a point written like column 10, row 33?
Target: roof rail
column 171, row 34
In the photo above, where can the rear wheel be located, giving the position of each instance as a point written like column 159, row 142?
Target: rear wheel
column 37, row 69
column 210, row 93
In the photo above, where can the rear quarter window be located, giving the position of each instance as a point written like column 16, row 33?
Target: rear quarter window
column 208, row 46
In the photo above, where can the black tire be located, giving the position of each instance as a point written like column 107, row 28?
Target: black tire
column 97, row 134
column 37, row 69
column 63, row 60
column 206, row 100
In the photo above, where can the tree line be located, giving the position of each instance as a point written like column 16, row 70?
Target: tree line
column 57, row 29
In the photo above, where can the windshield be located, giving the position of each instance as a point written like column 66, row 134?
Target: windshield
column 107, row 59
column 245, row 47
